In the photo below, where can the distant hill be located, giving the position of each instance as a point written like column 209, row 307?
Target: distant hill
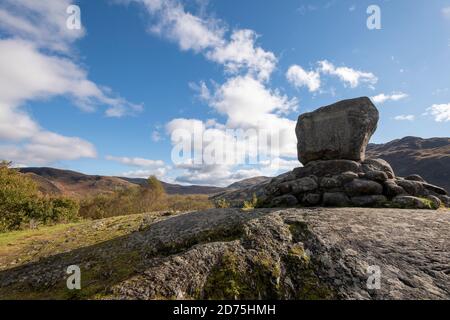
column 248, row 182
column 71, row 183
column 429, row 158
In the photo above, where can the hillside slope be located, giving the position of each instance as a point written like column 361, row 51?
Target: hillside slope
column 246, row 183
column 321, row 253
column 430, row 158
column 73, row 184
column 70, row 183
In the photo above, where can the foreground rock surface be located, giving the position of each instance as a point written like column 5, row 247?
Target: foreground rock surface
column 262, row 254
column 338, row 131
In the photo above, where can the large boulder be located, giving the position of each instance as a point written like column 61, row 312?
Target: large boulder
column 338, row 131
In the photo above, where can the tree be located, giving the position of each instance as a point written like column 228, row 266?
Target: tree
column 156, row 186
column 21, row 203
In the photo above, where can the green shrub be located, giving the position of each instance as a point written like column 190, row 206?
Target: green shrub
column 21, row 204
column 222, row 204
column 64, row 210
column 142, row 199
column 251, row 204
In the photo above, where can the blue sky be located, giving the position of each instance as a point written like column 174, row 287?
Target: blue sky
column 106, row 99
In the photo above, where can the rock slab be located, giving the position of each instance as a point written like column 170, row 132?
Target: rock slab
column 338, row 131
column 262, row 254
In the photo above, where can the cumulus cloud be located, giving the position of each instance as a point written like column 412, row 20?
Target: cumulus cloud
column 248, row 105
column 216, row 175
column 402, row 117
column 382, row 98
column 298, row 77
column 247, row 102
column 240, row 53
column 47, row 147
column 41, row 22
column 189, row 31
column 237, row 50
column 145, row 167
column 349, row 76
column 36, row 63
column 440, row 112
column 28, row 74
column 255, row 134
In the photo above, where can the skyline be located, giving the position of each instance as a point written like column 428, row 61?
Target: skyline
column 105, row 99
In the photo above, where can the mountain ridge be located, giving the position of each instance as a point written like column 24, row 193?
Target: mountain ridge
column 72, row 183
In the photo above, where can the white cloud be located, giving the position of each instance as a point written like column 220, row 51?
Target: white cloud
column 137, row 162
column 41, row 22
column 160, row 173
column 446, row 12
column 440, row 112
column 37, row 63
column 349, row 76
column 250, row 109
column 298, row 77
column 244, row 99
column 216, row 175
column 382, row 98
column 189, row 31
column 240, row 53
column 248, row 103
column 208, row 36
column 27, row 74
column 47, row 147
column 402, row 117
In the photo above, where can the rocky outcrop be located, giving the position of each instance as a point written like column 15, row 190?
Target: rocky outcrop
column 339, row 131
column 319, row 253
column 331, row 143
column 340, row 183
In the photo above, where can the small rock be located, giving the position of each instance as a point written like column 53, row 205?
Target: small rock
column 311, row 199
column 332, row 167
column 391, row 189
column 367, row 201
column 415, row 177
column 335, row 199
column 285, row 187
column 435, row 189
column 347, row 177
column 304, row 185
column 378, row 165
column 284, row 201
column 329, row 183
column 359, row 187
column 413, row 188
column 435, row 201
column 376, row 175
column 409, row 202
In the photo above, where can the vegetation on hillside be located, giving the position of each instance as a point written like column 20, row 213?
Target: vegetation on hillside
column 148, row 198
column 22, row 205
